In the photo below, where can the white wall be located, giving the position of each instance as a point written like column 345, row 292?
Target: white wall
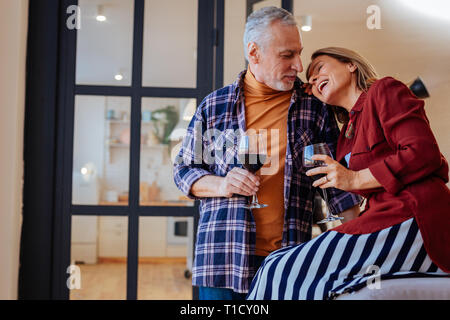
column 437, row 108
column 13, row 32
column 234, row 60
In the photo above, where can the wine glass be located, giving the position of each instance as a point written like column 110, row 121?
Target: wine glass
column 308, row 163
column 252, row 154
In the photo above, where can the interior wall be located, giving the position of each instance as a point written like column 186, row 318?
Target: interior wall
column 437, row 108
column 13, row 26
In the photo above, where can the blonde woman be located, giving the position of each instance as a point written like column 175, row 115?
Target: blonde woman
column 387, row 153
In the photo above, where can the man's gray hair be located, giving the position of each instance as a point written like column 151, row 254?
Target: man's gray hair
column 260, row 20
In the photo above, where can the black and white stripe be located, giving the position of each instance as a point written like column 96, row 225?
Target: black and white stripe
column 335, row 263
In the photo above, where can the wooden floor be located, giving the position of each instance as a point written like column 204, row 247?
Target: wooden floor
column 156, row 281
column 161, row 279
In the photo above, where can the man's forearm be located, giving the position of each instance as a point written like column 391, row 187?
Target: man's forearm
column 207, row 187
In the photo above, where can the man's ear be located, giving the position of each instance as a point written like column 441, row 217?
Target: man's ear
column 253, row 53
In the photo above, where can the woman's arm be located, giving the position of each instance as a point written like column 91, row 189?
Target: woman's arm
column 406, row 129
column 364, row 179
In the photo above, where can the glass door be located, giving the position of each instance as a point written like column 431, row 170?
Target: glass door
column 136, row 70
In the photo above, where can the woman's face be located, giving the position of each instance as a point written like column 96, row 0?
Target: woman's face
column 330, row 79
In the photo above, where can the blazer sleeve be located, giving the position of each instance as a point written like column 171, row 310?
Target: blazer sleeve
column 407, row 130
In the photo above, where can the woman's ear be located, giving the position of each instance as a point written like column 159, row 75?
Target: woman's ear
column 351, row 67
column 253, row 53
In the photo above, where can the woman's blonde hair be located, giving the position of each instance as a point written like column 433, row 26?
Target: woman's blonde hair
column 365, row 72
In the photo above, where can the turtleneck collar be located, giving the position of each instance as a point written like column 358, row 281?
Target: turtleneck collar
column 254, row 87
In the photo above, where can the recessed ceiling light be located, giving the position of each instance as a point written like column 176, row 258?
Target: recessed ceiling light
column 118, row 77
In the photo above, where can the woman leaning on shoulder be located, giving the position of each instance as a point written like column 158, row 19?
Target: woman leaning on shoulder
column 387, row 153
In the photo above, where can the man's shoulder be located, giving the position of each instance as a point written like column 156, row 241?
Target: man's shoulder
column 220, row 98
column 226, row 92
column 310, row 109
column 309, row 101
column 302, row 95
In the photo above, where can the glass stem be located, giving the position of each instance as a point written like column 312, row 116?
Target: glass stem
column 325, row 197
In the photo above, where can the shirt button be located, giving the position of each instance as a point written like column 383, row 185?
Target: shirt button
column 352, row 112
column 368, row 148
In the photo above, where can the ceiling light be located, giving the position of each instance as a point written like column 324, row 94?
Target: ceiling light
column 100, row 18
column 100, row 14
column 118, row 77
column 306, row 28
column 435, row 8
column 306, row 23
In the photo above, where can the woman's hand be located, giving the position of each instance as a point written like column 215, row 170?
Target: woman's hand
column 336, row 175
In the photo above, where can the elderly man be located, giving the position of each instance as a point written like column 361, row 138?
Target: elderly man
column 232, row 241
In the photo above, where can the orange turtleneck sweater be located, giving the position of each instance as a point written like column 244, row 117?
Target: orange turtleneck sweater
column 266, row 108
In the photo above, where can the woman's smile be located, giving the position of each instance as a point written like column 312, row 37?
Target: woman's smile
column 322, row 86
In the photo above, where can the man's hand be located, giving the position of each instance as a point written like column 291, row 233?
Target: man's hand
column 239, row 181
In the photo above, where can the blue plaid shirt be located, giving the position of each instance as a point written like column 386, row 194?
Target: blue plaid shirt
column 226, row 235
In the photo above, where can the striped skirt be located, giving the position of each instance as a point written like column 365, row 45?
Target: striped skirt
column 335, row 263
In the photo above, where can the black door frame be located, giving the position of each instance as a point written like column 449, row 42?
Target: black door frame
column 48, row 142
column 136, row 91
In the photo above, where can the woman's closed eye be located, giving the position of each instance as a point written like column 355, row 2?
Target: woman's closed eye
column 317, row 69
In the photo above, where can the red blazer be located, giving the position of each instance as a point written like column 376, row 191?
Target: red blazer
column 392, row 137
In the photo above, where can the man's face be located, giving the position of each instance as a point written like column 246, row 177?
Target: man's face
column 279, row 61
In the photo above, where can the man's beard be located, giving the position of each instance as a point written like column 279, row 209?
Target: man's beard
column 282, row 86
